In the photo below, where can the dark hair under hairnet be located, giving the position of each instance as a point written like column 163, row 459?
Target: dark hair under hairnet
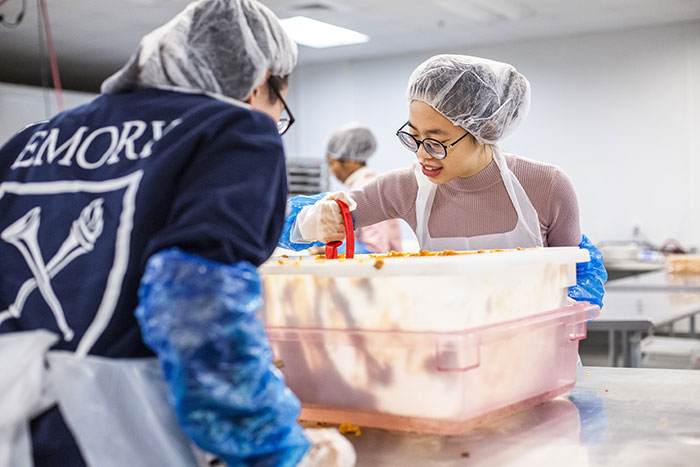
column 219, row 46
column 489, row 99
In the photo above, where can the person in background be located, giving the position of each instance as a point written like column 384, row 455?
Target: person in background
column 462, row 192
column 347, row 152
column 132, row 227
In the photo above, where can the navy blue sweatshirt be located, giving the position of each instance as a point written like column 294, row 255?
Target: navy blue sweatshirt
column 87, row 197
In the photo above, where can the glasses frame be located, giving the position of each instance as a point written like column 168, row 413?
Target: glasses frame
column 284, row 123
column 418, row 142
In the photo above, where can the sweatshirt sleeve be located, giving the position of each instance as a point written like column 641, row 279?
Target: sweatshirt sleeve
column 231, row 197
column 389, row 196
column 382, row 237
column 564, row 225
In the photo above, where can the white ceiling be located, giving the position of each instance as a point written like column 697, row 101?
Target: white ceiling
column 95, row 37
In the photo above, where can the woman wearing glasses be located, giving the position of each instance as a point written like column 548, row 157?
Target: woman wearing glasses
column 461, row 192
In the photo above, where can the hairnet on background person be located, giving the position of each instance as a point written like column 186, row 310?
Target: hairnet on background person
column 351, row 142
column 223, row 47
column 489, row 99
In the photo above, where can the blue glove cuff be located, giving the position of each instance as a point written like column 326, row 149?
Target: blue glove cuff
column 590, row 276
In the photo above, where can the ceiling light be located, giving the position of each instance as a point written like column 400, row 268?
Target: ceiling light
column 486, row 11
column 312, row 33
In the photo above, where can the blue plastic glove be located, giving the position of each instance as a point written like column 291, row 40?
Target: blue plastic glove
column 199, row 316
column 590, row 276
column 296, row 204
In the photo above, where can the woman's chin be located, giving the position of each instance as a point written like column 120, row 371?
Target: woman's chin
column 441, row 178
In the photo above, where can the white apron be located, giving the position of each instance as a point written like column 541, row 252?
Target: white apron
column 116, row 409
column 525, row 234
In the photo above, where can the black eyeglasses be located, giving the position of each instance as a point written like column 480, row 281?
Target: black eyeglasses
column 283, row 123
column 433, row 147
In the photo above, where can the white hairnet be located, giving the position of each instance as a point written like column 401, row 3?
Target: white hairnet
column 351, row 142
column 489, row 99
column 219, row 46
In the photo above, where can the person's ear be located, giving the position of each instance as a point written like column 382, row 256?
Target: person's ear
column 257, row 92
column 253, row 95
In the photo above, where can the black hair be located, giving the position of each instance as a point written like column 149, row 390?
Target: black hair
column 276, row 83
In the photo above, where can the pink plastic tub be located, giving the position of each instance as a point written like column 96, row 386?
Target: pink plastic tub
column 438, row 382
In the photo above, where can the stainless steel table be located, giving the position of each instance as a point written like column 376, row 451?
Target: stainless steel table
column 621, row 269
column 661, row 281
column 613, row 417
column 634, row 311
column 658, row 281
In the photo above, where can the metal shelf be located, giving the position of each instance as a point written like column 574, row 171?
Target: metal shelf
column 306, row 176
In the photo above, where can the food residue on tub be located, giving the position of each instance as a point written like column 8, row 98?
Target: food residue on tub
column 348, row 428
column 464, row 453
column 396, row 254
column 313, row 424
column 278, row 363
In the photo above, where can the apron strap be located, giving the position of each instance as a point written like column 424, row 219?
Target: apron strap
column 527, row 215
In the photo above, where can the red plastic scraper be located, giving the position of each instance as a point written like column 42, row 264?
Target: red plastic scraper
column 332, row 247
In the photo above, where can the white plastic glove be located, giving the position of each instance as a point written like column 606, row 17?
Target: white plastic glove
column 322, row 222
column 328, row 449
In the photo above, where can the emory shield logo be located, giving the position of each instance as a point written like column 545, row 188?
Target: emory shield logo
column 84, row 232
column 23, row 234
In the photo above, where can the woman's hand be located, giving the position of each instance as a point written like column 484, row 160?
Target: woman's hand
column 323, row 221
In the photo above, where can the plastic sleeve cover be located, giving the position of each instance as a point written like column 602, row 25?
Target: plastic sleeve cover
column 199, row 316
column 590, row 276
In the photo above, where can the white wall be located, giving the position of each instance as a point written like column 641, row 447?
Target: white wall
column 618, row 111
column 21, row 105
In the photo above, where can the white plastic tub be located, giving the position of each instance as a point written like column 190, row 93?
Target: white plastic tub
column 433, row 293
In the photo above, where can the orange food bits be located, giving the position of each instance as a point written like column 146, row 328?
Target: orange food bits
column 349, row 428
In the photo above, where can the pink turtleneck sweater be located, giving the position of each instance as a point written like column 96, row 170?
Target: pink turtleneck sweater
column 382, row 237
column 477, row 205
